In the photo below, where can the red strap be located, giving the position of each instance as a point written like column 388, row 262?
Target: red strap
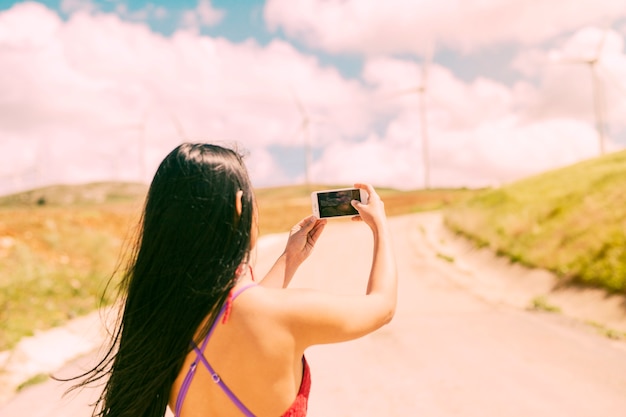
column 231, row 297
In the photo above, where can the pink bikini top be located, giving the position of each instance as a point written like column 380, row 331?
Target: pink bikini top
column 297, row 409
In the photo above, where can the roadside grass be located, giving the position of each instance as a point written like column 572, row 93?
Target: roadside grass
column 59, row 246
column 35, row 380
column 447, row 258
column 607, row 332
column 571, row 221
column 541, row 303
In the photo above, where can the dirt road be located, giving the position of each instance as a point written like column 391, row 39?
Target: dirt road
column 461, row 343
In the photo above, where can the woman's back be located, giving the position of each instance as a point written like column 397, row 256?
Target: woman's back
column 253, row 354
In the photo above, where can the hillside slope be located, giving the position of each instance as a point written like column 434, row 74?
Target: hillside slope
column 571, row 221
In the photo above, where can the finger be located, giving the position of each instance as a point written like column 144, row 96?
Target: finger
column 305, row 224
column 317, row 230
column 356, row 218
column 308, row 219
column 320, row 223
column 356, row 204
column 295, row 229
column 367, row 187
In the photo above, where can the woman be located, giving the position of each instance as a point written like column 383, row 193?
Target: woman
column 197, row 332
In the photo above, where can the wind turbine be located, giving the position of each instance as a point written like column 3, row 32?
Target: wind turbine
column 179, row 126
column 597, row 89
column 421, row 90
column 305, row 126
column 140, row 127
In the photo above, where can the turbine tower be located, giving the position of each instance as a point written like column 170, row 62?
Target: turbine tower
column 597, row 89
column 304, row 128
column 598, row 94
column 140, row 128
column 421, row 90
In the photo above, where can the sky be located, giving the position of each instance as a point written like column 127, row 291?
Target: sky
column 401, row 93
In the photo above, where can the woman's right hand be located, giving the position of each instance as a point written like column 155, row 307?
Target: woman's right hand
column 319, row 317
column 373, row 212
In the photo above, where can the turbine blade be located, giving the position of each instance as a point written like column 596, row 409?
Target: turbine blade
column 572, row 61
column 299, row 104
column 178, row 125
column 427, row 62
column 601, row 45
column 424, row 81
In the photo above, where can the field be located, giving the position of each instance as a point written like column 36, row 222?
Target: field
column 59, row 246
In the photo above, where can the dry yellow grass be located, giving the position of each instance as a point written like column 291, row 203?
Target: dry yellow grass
column 55, row 262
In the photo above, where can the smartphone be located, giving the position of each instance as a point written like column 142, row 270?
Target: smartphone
column 336, row 203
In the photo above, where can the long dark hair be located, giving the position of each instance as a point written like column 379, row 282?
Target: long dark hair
column 183, row 267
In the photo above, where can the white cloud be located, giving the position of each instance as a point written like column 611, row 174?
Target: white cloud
column 208, row 15
column 451, row 102
column 204, row 15
column 372, row 161
column 592, row 43
column 491, row 154
column 149, row 11
column 28, row 25
column 530, row 62
column 71, row 6
column 407, row 26
column 480, row 133
column 566, row 86
column 87, row 86
column 264, row 171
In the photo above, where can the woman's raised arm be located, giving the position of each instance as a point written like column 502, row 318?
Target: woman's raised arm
column 302, row 238
column 315, row 317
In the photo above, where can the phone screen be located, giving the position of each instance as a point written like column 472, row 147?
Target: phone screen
column 337, row 203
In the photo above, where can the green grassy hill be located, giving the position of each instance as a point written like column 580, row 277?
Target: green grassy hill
column 571, row 221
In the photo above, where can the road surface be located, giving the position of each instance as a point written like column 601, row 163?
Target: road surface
column 451, row 349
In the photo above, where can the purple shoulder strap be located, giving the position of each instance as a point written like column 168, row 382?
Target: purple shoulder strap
column 200, row 356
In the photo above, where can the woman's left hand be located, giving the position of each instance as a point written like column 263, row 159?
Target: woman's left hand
column 302, row 238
